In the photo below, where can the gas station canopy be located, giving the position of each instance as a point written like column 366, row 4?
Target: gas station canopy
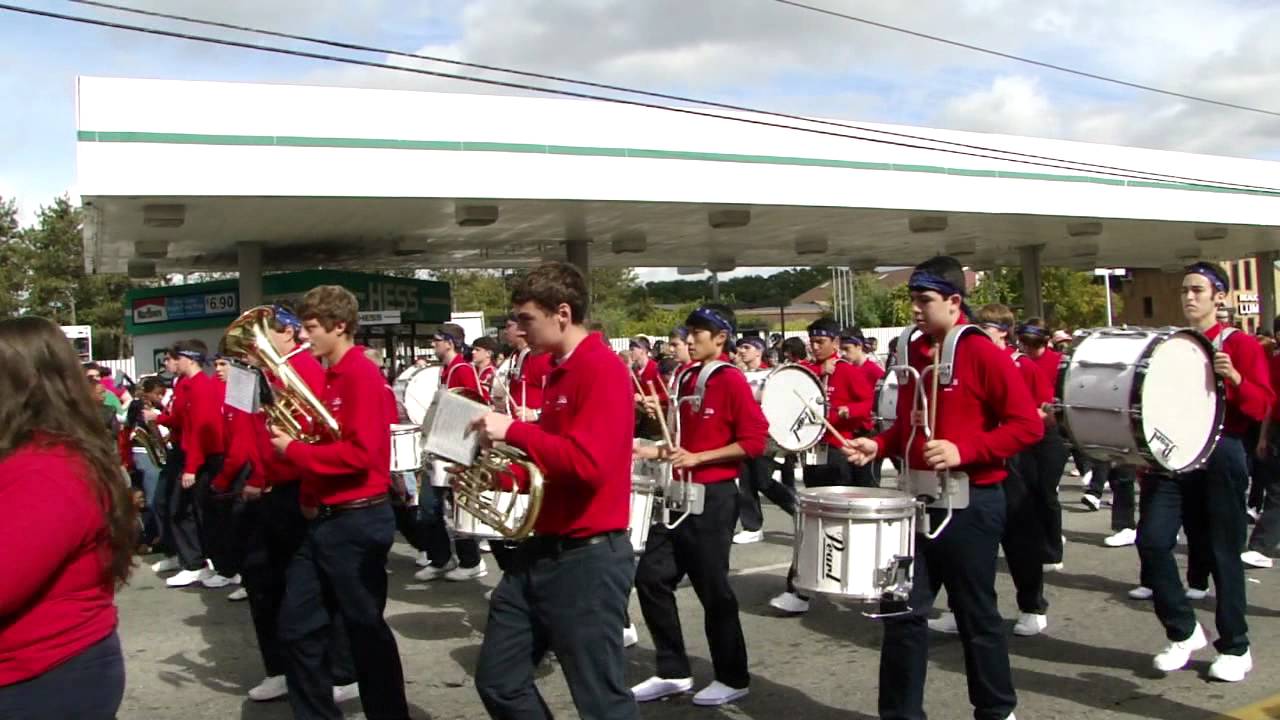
column 176, row 175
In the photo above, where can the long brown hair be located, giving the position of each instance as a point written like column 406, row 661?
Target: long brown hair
column 45, row 398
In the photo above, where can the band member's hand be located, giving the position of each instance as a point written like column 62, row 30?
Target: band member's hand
column 1223, row 366
column 860, row 451
column 941, row 454
column 188, row 479
column 652, row 406
column 681, row 458
column 279, row 439
column 1262, row 447
column 309, row 512
column 524, row 414
column 647, row 452
column 493, row 426
column 150, row 415
column 250, row 493
column 843, row 413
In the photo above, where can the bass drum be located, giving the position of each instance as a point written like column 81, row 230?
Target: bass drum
column 415, row 389
column 1142, row 397
column 886, row 401
column 791, row 398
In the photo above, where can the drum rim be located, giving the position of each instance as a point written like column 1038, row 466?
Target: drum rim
column 892, row 505
column 1135, row 394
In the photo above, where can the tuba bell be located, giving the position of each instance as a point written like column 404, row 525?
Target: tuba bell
column 149, row 440
column 474, row 492
column 247, row 340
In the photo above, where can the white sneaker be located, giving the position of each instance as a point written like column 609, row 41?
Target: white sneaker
column 1093, row 502
column 1127, row 536
column 215, row 581
column 1231, row 668
column 1254, row 514
column 1141, row 593
column 1086, row 478
column 1176, row 655
column 189, row 577
column 430, row 573
column 1198, row 594
column 1053, row 567
column 790, row 602
column 630, row 636
column 168, row 564
column 1255, row 559
column 746, row 537
column 461, row 574
column 1074, row 471
column 1030, row 624
column 238, row 595
column 717, row 693
column 343, row 693
column 483, row 545
column 423, row 560
column 272, row 687
column 945, row 624
column 656, row 688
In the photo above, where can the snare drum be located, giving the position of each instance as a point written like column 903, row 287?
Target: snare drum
column 793, row 402
column 1142, row 397
column 468, row 525
column 849, row 541
column 643, row 490
column 406, row 448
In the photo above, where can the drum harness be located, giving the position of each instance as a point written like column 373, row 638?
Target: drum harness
column 685, row 496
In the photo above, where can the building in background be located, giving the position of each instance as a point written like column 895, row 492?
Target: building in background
column 1151, row 297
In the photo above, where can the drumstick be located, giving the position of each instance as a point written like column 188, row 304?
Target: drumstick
column 636, row 379
column 830, row 428
column 933, row 391
column 662, row 420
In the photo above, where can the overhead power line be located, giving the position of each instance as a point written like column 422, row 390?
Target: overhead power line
column 1056, row 164
column 1028, row 61
column 1088, row 166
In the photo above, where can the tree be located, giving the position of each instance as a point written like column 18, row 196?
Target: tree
column 1071, row 297
column 13, row 260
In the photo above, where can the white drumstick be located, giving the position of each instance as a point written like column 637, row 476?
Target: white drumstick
column 830, row 428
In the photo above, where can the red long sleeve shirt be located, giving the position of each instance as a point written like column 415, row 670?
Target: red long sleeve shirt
column 486, row 382
column 277, row 470
column 847, row 386
column 459, row 373
column 729, row 414
column 172, row 417
column 531, row 373
column 358, row 464
column 650, row 375
column 56, row 598
column 582, row 443
column 1047, row 364
column 987, row 412
column 1030, row 373
column 1251, row 400
column 873, row 371
column 202, row 426
column 241, row 439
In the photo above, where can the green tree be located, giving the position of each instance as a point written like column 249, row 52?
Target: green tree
column 1072, row 299
column 13, row 260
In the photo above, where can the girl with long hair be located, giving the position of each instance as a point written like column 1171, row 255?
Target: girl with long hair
column 67, row 533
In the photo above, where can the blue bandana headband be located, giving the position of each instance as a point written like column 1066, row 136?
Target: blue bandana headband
column 924, row 280
column 823, row 332
column 710, row 317
column 286, row 317
column 193, row 356
column 1033, row 331
column 996, row 325
column 757, row 343
column 1208, row 272
column 681, row 332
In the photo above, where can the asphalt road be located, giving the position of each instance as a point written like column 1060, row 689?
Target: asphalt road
column 191, row 654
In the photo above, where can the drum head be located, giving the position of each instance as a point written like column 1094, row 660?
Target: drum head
column 1181, row 405
column 420, row 391
column 794, row 425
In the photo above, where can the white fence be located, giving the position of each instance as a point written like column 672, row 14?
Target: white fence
column 882, row 336
column 126, row 366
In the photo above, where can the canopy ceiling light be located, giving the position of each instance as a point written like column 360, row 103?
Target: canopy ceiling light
column 726, row 219
column 475, row 215
column 151, row 249
column 410, row 246
column 811, row 245
column 959, row 247
column 690, row 270
column 863, row 264
column 927, row 223
column 629, row 242
column 722, row 264
column 1084, row 248
column 1189, row 254
column 164, row 216
column 1084, row 229
column 141, row 269
column 1211, row 232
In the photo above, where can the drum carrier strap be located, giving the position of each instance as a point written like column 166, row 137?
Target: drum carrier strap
column 1221, row 340
column 705, row 371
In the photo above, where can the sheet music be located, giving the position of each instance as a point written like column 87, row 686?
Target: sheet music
column 446, row 429
column 242, row 389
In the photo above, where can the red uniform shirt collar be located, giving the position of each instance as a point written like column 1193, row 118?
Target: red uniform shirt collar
column 348, row 360
column 592, row 345
column 1214, row 331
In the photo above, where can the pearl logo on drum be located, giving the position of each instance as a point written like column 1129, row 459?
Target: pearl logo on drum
column 832, row 553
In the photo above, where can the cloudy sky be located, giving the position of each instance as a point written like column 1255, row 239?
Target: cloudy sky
column 753, row 52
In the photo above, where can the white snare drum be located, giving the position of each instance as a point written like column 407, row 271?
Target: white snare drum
column 886, row 402
column 794, row 425
column 468, row 525
column 643, row 490
column 855, row 543
column 406, row 448
column 1142, row 397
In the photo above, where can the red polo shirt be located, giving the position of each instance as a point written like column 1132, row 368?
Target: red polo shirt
column 847, row 386
column 277, row 470
column 650, row 375
column 987, row 412
column 358, row 464
column 582, row 443
column 486, row 382
column 459, row 373
column 529, row 376
column 729, row 414
column 1030, row 373
column 1047, row 364
column 872, row 370
column 172, row 417
column 1251, row 400
column 202, row 421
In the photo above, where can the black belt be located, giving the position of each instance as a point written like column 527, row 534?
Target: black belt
column 362, row 503
column 556, row 544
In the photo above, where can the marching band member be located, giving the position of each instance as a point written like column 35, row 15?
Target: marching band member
column 223, row 515
column 567, row 590
column 171, row 417
column 982, row 420
column 482, row 352
column 854, row 350
column 340, row 567
column 1209, row 503
column 528, row 373
column 757, row 472
column 678, row 341
column 149, row 401
column 725, row 428
column 644, row 372
column 849, row 403
column 201, row 460
column 1048, row 458
column 455, row 374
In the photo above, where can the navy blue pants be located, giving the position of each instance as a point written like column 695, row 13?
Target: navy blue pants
column 756, row 479
column 1209, row 504
column 89, row 686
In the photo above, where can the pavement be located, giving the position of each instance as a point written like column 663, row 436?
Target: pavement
column 192, row 655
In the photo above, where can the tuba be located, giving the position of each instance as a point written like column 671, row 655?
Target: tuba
column 148, row 439
column 247, row 340
column 474, row 492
